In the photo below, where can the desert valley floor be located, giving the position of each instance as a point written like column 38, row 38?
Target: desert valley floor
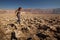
column 32, row 27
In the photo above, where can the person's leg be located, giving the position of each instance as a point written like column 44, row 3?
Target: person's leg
column 19, row 19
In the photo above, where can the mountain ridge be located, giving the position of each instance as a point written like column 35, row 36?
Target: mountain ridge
column 38, row 11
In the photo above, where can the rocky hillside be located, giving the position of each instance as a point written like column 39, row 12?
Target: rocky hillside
column 32, row 27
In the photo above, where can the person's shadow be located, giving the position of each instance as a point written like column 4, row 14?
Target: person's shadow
column 12, row 25
column 13, row 36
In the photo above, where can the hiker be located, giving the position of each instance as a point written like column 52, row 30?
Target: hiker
column 18, row 12
column 13, row 36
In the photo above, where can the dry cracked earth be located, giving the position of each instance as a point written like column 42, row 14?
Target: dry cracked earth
column 32, row 27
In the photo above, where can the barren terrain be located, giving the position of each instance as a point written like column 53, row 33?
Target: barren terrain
column 32, row 27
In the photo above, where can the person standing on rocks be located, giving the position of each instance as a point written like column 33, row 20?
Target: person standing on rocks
column 18, row 12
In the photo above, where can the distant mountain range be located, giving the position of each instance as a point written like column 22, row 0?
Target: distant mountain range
column 56, row 10
column 49, row 11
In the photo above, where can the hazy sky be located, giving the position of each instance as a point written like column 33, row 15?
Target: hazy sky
column 13, row 4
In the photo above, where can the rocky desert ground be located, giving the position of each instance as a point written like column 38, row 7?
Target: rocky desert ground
column 32, row 27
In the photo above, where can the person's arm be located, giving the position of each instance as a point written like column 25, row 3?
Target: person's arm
column 15, row 11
